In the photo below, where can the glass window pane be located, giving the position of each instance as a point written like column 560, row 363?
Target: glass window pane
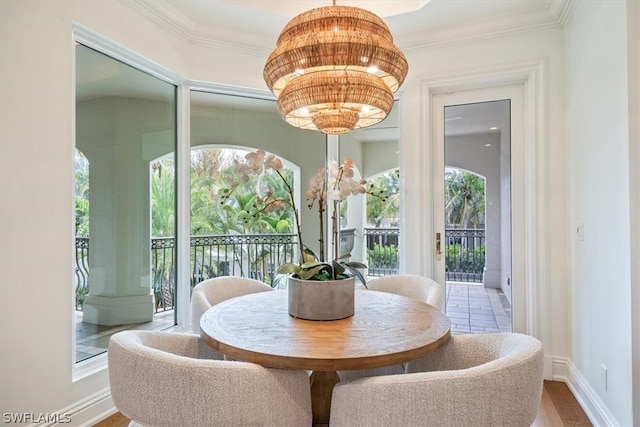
column 372, row 221
column 231, row 238
column 125, row 200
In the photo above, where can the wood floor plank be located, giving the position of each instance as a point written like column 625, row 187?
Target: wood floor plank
column 547, row 414
column 566, row 404
column 115, row 420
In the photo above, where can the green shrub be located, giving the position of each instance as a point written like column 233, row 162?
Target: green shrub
column 382, row 256
column 462, row 259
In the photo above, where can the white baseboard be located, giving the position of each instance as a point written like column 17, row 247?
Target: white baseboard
column 86, row 412
column 564, row 370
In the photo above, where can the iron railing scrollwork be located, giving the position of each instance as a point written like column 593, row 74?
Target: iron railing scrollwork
column 81, row 270
column 250, row 255
column 259, row 255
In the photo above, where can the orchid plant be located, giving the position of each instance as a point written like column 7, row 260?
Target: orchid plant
column 330, row 185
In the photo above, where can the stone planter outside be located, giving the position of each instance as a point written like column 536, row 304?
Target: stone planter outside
column 321, row 300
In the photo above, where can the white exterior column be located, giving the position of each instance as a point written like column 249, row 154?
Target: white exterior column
column 115, row 139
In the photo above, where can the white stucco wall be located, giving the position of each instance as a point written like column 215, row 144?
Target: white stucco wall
column 598, row 141
column 36, row 184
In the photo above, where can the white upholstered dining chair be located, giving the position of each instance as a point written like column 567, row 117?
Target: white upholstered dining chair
column 409, row 285
column 492, row 380
column 215, row 290
column 412, row 286
column 166, row 379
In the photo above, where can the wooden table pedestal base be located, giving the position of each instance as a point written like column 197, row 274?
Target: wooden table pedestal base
column 322, row 384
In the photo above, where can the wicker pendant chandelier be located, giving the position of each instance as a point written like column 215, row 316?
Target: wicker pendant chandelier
column 335, row 69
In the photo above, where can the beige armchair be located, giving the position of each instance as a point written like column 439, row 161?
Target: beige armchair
column 412, row 286
column 166, row 379
column 218, row 289
column 492, row 380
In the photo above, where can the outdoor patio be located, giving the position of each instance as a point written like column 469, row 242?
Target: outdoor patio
column 474, row 309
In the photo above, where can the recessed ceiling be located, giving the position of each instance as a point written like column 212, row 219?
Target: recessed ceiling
column 477, row 118
column 255, row 24
column 291, row 8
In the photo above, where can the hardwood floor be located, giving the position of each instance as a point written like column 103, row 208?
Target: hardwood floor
column 558, row 408
column 115, row 420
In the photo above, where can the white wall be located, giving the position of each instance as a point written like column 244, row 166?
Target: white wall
column 598, row 141
column 633, row 50
column 36, row 186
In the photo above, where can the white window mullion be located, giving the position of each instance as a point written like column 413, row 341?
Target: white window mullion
column 183, row 208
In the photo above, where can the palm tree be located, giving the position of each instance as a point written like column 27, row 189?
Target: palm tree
column 464, row 198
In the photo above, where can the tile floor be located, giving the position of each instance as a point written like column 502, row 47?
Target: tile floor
column 474, row 309
column 92, row 340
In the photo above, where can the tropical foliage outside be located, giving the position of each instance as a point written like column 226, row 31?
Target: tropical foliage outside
column 82, row 194
column 384, row 211
column 210, row 170
column 464, row 209
column 464, row 199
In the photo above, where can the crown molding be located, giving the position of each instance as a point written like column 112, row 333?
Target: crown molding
column 172, row 20
column 165, row 15
column 562, row 10
column 555, row 15
column 502, row 26
column 248, row 45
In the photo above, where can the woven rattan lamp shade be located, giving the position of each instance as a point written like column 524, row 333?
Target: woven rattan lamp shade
column 335, row 69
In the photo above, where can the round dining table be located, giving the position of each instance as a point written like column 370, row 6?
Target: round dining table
column 386, row 329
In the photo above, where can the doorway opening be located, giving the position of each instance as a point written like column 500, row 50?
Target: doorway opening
column 477, row 216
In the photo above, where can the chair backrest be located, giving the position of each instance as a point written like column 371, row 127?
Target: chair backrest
column 481, row 380
column 409, row 285
column 218, row 289
column 165, row 379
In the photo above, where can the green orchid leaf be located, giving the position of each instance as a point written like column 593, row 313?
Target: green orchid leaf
column 338, row 269
column 308, row 273
column 311, row 264
column 309, row 256
column 358, row 274
column 354, row 264
column 288, row 268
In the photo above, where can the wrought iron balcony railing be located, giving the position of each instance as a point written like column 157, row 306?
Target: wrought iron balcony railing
column 259, row 255
column 465, row 254
column 382, row 251
column 248, row 255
